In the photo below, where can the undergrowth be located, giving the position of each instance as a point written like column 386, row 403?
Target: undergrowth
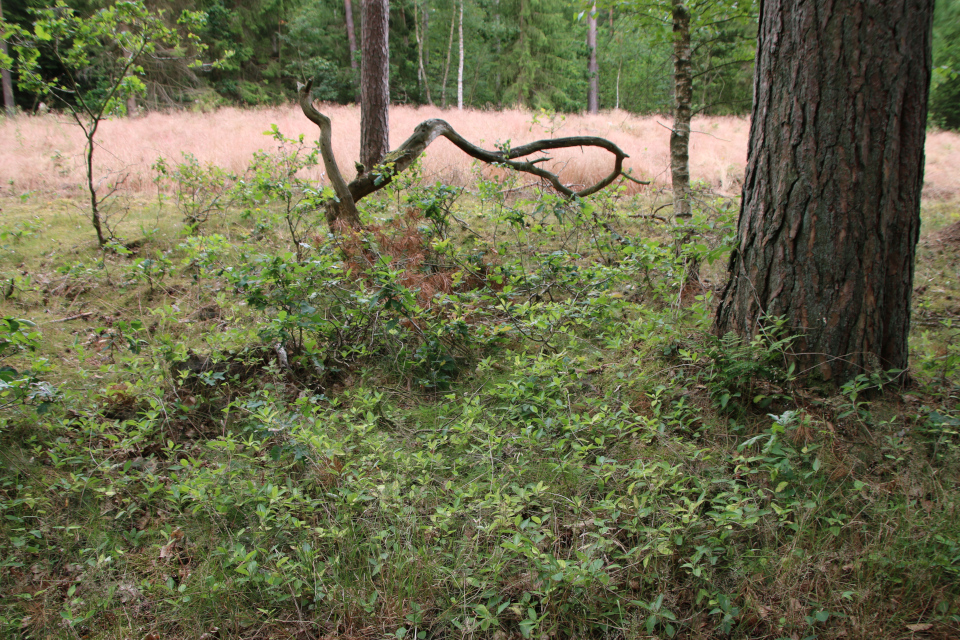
column 492, row 414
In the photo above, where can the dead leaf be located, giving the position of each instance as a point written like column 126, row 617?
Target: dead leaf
column 167, row 550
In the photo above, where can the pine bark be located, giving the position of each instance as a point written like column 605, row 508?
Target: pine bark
column 374, row 82
column 683, row 96
column 831, row 204
column 421, row 36
column 9, row 105
column 593, row 93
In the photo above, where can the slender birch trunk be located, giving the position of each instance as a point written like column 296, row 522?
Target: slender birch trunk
column 421, row 72
column 460, row 70
column 446, row 66
column 619, row 68
column 593, row 94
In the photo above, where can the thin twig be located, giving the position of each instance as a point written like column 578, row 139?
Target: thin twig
column 76, row 317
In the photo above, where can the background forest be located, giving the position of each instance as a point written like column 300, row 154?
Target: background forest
column 537, row 49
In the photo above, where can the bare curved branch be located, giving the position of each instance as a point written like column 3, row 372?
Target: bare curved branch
column 428, row 131
column 399, row 160
column 345, row 208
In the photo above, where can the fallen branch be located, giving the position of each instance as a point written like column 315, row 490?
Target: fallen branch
column 398, row 161
column 76, row 317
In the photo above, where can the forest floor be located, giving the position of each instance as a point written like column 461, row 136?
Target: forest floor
column 493, row 415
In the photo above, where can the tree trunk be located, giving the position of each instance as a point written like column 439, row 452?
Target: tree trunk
column 91, row 187
column 619, row 68
column 374, row 82
column 426, row 33
column 593, row 95
column 351, row 34
column 421, row 72
column 446, row 67
column 10, row 106
column 831, row 202
column 460, row 69
column 352, row 44
column 683, row 96
column 498, row 82
column 343, row 208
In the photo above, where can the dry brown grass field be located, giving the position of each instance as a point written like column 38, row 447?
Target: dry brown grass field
column 43, row 153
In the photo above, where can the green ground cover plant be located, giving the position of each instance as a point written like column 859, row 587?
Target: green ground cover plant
column 490, row 414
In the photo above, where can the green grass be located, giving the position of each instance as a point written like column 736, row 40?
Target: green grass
column 556, row 448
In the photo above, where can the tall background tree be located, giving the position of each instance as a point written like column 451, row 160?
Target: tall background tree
column 831, row 204
column 945, row 89
column 9, row 106
column 374, row 82
column 709, row 42
column 682, row 98
column 593, row 71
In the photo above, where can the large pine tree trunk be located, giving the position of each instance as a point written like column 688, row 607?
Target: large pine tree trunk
column 11, row 108
column 593, row 93
column 830, row 213
column 374, row 82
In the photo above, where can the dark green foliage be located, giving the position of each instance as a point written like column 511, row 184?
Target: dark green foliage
column 945, row 85
column 19, row 340
column 544, row 60
column 529, row 53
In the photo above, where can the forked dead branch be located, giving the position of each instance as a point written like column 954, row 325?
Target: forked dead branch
column 344, row 209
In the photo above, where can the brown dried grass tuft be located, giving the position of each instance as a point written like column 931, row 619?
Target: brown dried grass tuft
column 421, row 269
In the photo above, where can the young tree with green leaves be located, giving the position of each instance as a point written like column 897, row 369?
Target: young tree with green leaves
column 99, row 58
column 698, row 30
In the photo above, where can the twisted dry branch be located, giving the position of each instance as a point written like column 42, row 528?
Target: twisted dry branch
column 426, row 132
